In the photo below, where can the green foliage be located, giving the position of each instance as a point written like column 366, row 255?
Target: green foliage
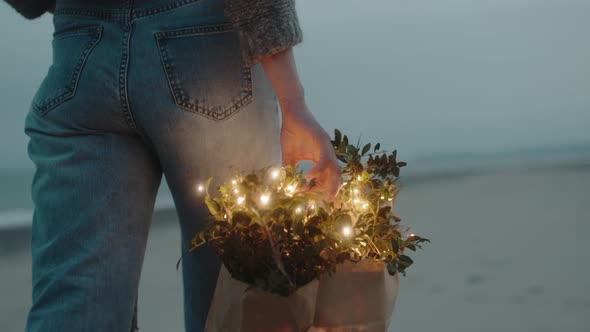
column 271, row 235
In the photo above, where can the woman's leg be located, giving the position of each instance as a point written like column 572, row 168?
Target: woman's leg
column 204, row 113
column 207, row 116
column 94, row 194
column 96, row 179
column 201, row 148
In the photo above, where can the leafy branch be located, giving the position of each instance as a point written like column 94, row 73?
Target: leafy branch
column 270, row 235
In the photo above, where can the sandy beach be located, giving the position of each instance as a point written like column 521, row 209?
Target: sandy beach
column 509, row 253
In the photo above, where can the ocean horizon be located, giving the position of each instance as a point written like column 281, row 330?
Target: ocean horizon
column 16, row 207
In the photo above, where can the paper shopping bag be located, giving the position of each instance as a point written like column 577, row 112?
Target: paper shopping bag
column 358, row 297
column 237, row 307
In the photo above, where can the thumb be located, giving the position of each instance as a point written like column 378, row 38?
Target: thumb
column 328, row 176
column 316, row 173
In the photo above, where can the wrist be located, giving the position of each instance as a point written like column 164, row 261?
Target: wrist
column 291, row 94
column 293, row 100
column 293, row 107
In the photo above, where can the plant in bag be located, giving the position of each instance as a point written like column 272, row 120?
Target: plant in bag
column 271, row 235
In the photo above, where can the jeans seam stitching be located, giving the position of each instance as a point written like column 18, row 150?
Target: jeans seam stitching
column 113, row 15
column 102, row 14
column 96, row 33
column 178, row 93
column 123, row 72
column 162, row 9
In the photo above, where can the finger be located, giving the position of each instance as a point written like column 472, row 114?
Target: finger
column 316, row 172
column 332, row 178
column 336, row 179
column 326, row 193
column 327, row 178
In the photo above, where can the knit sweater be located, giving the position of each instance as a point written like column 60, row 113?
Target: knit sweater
column 265, row 27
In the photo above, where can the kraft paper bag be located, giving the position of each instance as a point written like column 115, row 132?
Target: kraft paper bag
column 237, row 307
column 358, row 297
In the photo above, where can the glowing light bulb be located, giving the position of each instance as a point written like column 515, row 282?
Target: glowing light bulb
column 298, row 210
column 412, row 235
column 236, row 191
column 275, row 174
column 355, row 201
column 290, row 188
column 312, row 206
column 346, row 230
column 200, row 188
column 358, row 177
column 241, row 199
column 264, row 199
column 390, row 199
column 225, row 216
column 355, row 190
column 382, row 197
column 366, row 205
column 234, row 182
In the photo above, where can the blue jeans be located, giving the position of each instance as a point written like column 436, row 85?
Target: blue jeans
column 137, row 89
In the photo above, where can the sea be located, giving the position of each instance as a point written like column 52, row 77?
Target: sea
column 16, row 207
column 455, row 86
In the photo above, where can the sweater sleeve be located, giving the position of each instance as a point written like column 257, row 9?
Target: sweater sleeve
column 265, row 27
column 31, row 8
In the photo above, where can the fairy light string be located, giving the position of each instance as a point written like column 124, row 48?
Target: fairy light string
column 276, row 208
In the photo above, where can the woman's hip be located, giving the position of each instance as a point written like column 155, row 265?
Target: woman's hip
column 183, row 55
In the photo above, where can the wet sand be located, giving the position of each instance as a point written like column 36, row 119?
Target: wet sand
column 509, row 252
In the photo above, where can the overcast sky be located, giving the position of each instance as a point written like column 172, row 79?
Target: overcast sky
column 425, row 75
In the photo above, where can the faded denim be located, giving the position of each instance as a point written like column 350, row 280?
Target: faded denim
column 137, row 89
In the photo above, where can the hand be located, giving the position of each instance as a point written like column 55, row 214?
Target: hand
column 303, row 138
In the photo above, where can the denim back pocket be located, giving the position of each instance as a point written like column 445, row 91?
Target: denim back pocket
column 205, row 69
column 71, row 48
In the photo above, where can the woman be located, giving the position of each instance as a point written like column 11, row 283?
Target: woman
column 141, row 88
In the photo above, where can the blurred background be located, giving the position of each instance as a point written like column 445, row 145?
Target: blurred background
column 487, row 101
